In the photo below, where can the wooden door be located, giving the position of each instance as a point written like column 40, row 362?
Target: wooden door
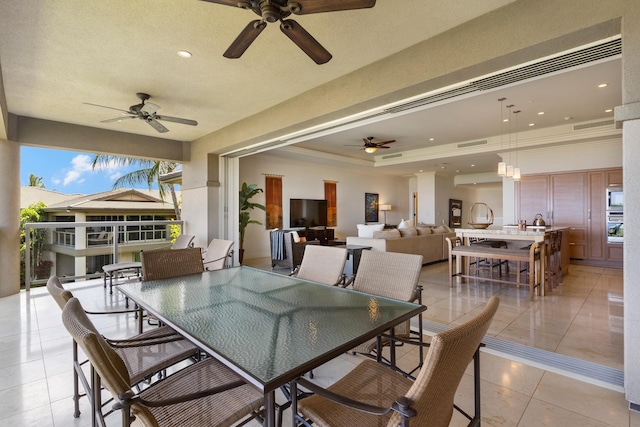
column 533, row 197
column 569, row 209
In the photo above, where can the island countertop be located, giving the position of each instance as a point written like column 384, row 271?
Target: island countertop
column 508, row 232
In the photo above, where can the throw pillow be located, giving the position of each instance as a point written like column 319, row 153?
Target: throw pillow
column 296, row 237
column 386, row 234
column 423, row 230
column 405, row 223
column 366, row 230
column 408, row 232
column 440, row 230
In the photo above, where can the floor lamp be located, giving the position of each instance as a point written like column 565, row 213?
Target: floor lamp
column 385, row 208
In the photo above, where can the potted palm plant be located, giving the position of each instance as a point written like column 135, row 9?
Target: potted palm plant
column 246, row 193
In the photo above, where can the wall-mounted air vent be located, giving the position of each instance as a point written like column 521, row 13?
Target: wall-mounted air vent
column 392, row 156
column 471, row 144
column 593, row 125
column 563, row 62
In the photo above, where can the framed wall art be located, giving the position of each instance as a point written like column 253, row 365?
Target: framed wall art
column 370, row 207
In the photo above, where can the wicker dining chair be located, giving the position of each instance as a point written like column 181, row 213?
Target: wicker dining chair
column 374, row 395
column 205, row 393
column 217, row 254
column 144, row 354
column 391, row 275
column 322, row 264
column 162, row 264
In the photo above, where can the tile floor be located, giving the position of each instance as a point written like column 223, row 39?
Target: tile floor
column 581, row 318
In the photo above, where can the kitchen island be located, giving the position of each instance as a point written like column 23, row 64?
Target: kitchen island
column 516, row 239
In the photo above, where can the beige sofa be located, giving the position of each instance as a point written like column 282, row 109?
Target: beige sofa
column 432, row 247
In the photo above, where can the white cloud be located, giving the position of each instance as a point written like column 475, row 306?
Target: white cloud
column 115, row 175
column 80, row 164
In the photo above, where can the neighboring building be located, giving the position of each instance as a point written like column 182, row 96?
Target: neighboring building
column 80, row 251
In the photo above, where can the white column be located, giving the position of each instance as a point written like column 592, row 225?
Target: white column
column 9, row 218
column 81, row 243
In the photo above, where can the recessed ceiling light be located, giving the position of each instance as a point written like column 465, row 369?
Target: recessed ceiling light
column 457, row 170
column 532, row 124
column 420, row 170
column 505, row 120
column 568, row 118
column 184, row 54
column 473, row 166
column 541, row 113
column 431, row 139
column 608, row 111
column 603, row 85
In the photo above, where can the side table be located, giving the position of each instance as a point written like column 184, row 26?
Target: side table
column 353, row 259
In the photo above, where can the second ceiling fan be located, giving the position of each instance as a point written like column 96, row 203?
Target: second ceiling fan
column 278, row 10
column 370, row 146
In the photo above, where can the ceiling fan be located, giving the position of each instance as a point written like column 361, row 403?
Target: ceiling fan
column 145, row 111
column 278, row 10
column 370, row 146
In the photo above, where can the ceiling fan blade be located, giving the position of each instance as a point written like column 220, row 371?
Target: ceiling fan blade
column 177, row 120
column 111, row 108
column 384, row 142
column 117, row 119
column 234, row 3
column 318, row 6
column 156, row 125
column 150, row 108
column 305, row 41
column 244, row 39
column 381, row 146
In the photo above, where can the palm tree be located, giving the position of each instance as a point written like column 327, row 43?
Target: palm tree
column 35, row 181
column 149, row 173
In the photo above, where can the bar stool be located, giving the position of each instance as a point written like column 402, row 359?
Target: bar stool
column 554, row 269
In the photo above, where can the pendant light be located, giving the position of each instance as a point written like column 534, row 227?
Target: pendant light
column 502, row 166
column 516, row 170
column 509, row 166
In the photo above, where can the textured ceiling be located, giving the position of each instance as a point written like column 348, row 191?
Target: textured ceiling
column 58, row 55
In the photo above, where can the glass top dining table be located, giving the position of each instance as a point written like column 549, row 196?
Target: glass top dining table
column 267, row 327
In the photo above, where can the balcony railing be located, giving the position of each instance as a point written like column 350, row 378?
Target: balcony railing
column 66, row 234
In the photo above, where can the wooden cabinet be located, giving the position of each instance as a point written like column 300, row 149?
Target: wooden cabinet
column 568, row 193
column 614, row 178
column 533, row 198
column 575, row 200
column 317, row 234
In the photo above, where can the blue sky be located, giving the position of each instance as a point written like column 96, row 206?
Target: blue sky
column 67, row 171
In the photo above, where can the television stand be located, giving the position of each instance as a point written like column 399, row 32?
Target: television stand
column 324, row 236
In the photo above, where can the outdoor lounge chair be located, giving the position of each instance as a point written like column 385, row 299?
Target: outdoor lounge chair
column 373, row 395
column 144, row 354
column 205, row 393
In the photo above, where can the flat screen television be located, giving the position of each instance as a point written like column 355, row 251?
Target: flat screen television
column 307, row 213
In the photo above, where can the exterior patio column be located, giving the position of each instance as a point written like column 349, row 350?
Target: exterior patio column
column 628, row 116
column 9, row 218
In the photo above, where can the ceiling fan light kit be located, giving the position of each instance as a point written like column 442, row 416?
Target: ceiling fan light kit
column 370, row 146
column 278, row 10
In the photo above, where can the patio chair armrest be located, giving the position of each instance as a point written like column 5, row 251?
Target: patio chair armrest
column 160, row 339
column 401, row 405
column 129, row 398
